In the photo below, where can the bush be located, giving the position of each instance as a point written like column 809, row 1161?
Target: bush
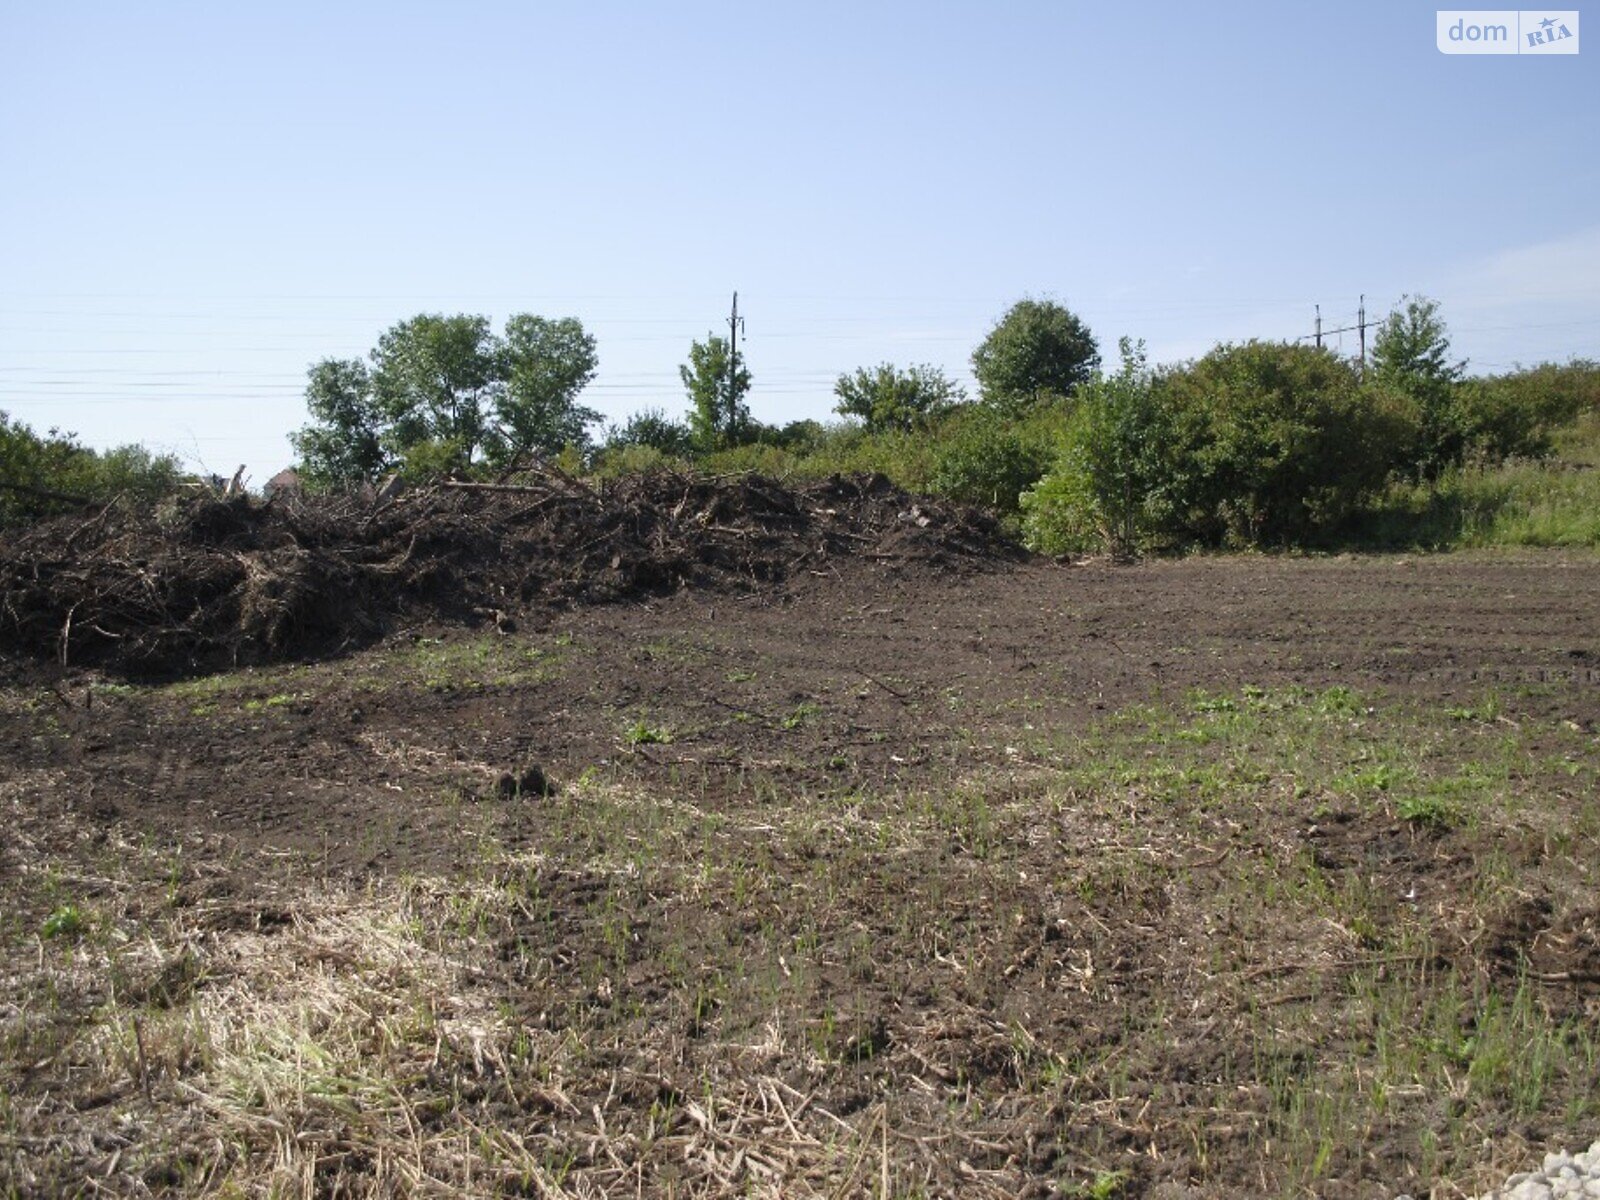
column 797, row 437
column 1274, row 444
column 41, row 475
column 1516, row 415
column 1255, row 444
column 906, row 458
column 653, row 428
column 760, row 457
column 633, row 460
column 1059, row 514
column 987, row 460
column 1106, row 487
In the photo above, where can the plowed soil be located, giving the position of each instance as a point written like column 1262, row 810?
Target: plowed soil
column 899, row 667
column 937, row 881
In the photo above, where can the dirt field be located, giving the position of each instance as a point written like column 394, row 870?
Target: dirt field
column 1216, row 876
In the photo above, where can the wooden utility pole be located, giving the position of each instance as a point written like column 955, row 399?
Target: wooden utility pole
column 1361, row 324
column 735, row 324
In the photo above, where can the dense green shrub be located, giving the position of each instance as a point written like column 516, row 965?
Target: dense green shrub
column 1517, row 414
column 653, row 428
column 44, row 474
column 1253, row 445
column 1059, row 513
column 1269, row 443
column 761, row 457
column 1513, row 503
column 904, row 457
column 797, row 437
column 615, row 462
column 1107, row 486
column 1560, row 392
column 985, row 459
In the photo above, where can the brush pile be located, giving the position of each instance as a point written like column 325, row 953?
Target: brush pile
column 203, row 583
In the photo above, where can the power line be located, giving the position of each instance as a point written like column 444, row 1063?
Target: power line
column 1361, row 326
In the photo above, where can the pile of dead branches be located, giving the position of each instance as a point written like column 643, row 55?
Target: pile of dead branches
column 204, row 583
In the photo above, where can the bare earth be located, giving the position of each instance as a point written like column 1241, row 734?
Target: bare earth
column 1212, row 874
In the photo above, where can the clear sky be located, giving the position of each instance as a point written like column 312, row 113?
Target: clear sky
column 199, row 200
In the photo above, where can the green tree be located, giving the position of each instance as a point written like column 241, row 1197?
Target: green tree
column 653, row 428
column 1411, row 355
column 438, row 379
column 344, row 443
column 886, row 397
column 446, row 392
column 1039, row 348
column 547, row 364
column 717, row 387
column 1107, row 487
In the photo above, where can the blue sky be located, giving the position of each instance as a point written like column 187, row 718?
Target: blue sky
column 199, row 200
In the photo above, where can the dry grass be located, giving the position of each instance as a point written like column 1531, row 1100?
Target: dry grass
column 1198, row 942
column 344, row 1043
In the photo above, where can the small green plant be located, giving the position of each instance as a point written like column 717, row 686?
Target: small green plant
column 65, row 922
column 1380, row 778
column 642, row 733
column 1106, row 1185
column 1428, row 809
column 1338, row 702
column 1488, row 711
column 801, row 714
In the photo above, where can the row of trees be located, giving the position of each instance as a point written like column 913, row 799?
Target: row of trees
column 1260, row 443
column 448, row 392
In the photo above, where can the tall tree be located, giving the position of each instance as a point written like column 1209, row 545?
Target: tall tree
column 1412, row 347
column 717, row 387
column 344, row 442
column 1039, row 348
column 1411, row 354
column 886, row 397
column 445, row 392
column 439, row 379
column 547, row 364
